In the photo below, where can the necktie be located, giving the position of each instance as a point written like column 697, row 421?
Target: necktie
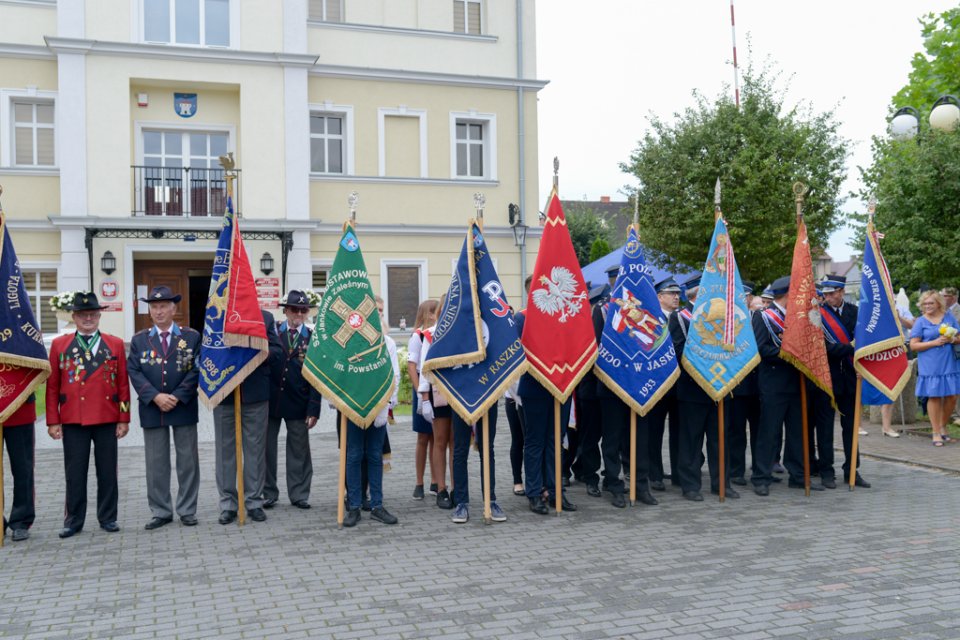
column 164, row 340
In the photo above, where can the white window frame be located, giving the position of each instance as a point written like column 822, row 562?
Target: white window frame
column 7, row 137
column 466, row 17
column 37, row 293
column 323, row 11
column 424, row 279
column 404, row 112
column 489, row 122
column 320, row 265
column 139, row 28
column 346, row 112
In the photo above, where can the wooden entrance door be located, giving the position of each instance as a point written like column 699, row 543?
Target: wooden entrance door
column 178, row 275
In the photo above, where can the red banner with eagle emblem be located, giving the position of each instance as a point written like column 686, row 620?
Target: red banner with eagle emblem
column 558, row 332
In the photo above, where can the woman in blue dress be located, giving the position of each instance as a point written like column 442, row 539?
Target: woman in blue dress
column 939, row 376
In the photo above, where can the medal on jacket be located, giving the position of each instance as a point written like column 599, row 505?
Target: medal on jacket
column 88, row 345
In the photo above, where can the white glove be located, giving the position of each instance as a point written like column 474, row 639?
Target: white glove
column 426, row 410
column 381, row 419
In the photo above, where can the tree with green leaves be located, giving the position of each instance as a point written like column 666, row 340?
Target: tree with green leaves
column 598, row 249
column 917, row 181
column 757, row 151
column 586, row 226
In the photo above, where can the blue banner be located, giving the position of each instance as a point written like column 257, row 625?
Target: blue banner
column 222, row 366
column 636, row 356
column 476, row 352
column 721, row 348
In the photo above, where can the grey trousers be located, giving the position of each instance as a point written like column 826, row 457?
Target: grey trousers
column 254, row 437
column 299, row 461
column 156, row 447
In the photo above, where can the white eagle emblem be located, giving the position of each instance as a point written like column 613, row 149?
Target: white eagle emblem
column 559, row 294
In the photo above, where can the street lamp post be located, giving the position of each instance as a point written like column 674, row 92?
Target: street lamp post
column 944, row 116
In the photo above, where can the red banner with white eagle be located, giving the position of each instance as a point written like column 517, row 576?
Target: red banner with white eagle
column 558, row 332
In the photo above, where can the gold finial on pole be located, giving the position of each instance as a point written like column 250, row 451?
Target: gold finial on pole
column 799, row 191
column 871, row 207
column 352, row 200
column 479, row 200
column 636, row 207
column 229, row 172
column 556, row 172
column 716, row 200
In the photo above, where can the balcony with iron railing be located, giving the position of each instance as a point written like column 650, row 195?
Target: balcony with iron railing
column 181, row 191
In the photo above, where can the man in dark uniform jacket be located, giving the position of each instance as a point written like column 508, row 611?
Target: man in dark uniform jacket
column 293, row 401
column 19, row 439
column 839, row 324
column 537, row 405
column 744, row 408
column 254, row 407
column 582, row 455
column 779, row 398
column 698, row 417
column 163, row 371
column 88, row 401
column 668, row 293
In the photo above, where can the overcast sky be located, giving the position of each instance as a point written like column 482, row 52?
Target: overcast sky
column 612, row 63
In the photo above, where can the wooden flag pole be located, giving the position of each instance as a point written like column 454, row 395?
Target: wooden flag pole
column 557, row 446
column 721, row 453
column 341, row 485
column 633, row 457
column 238, row 436
column 856, row 433
column 479, row 200
column 805, row 430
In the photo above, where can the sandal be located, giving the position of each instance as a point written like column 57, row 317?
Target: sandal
column 518, row 490
column 937, row 443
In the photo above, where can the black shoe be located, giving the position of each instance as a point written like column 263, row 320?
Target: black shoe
column 19, row 535
column 565, row 504
column 269, row 503
column 188, row 521
column 593, row 491
column 110, row 527
column 860, row 482
column 729, row 493
column 352, row 518
column 537, row 505
column 365, row 504
column 799, row 485
column 740, row 481
column 226, row 517
column 383, row 516
column 657, row 485
column 257, row 515
column 693, row 496
column 418, row 492
column 156, row 523
column 301, row 504
column 646, row 497
column 433, row 489
column 829, row 483
column 761, row 489
column 443, row 500
column 618, row 500
column 565, row 482
column 69, row 532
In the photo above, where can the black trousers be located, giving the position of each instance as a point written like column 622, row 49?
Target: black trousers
column 616, row 437
column 698, row 419
column 820, row 415
column 76, row 460
column 847, row 404
column 657, row 419
column 584, row 457
column 515, row 420
column 20, row 442
column 743, row 409
column 779, row 411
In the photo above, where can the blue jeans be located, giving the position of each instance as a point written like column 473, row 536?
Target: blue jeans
column 461, row 451
column 365, row 444
column 538, row 443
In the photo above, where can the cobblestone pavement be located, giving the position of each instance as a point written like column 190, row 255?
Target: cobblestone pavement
column 869, row 564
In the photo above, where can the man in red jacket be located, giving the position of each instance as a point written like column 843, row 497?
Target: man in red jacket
column 88, row 400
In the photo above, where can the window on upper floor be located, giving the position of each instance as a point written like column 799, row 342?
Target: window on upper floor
column 327, row 143
column 466, row 16
column 41, row 286
column 473, row 138
column 325, row 10
column 191, row 22
column 33, row 135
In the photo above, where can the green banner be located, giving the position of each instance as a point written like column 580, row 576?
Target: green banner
column 347, row 361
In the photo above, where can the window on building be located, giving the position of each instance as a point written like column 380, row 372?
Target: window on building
column 320, row 275
column 325, row 10
column 466, row 16
column 403, row 293
column 41, row 286
column 181, row 173
column 473, row 145
column 33, row 138
column 470, row 144
column 327, row 143
column 197, row 22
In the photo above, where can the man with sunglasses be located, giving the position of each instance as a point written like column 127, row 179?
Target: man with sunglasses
column 293, row 401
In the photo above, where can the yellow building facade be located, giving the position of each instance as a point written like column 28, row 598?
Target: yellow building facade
column 114, row 113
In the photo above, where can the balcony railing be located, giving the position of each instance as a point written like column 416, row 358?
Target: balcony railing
column 181, row 191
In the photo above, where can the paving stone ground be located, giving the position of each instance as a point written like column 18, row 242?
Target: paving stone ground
column 869, row 564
